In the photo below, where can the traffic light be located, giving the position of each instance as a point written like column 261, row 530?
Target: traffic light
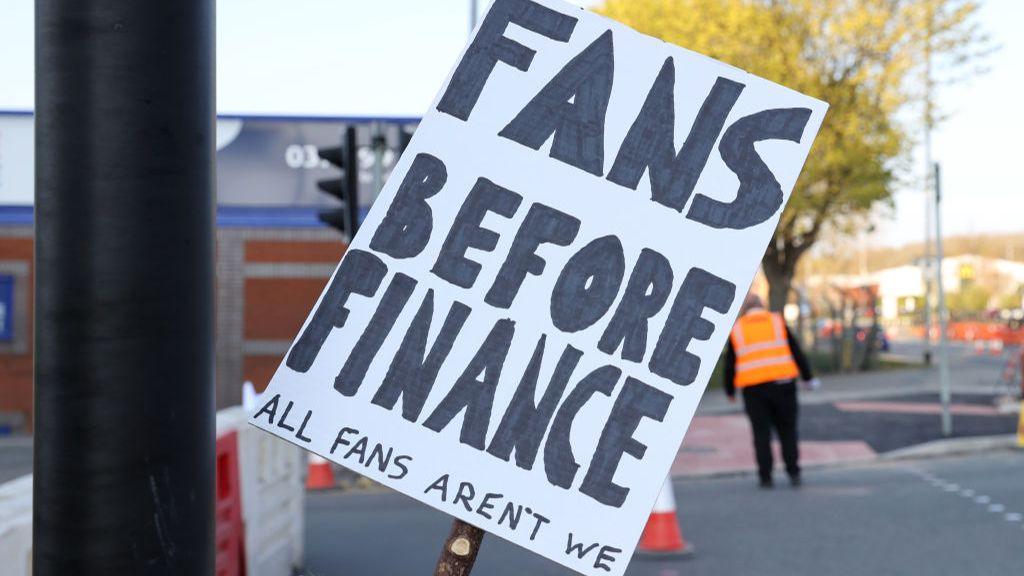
column 404, row 137
column 344, row 218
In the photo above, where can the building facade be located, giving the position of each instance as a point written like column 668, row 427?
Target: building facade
column 901, row 289
column 273, row 254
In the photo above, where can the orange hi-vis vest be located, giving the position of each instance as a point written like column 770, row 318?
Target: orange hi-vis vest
column 762, row 351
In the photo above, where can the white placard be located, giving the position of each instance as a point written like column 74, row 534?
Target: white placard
column 522, row 329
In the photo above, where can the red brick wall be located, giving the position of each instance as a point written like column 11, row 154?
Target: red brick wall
column 293, row 251
column 275, row 307
column 16, row 369
column 259, row 370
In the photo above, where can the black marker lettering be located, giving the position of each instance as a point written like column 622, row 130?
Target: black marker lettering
column 491, row 46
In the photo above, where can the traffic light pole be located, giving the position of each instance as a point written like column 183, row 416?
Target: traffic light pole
column 941, row 311
column 928, row 190
column 124, row 403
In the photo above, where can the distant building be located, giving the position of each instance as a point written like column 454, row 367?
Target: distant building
column 274, row 256
column 901, row 289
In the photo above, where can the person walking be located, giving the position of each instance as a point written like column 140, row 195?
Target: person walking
column 764, row 360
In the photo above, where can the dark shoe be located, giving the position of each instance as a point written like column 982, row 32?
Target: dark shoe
column 766, row 483
column 795, row 481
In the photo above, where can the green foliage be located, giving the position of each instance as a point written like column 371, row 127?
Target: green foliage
column 1011, row 301
column 865, row 58
column 970, row 300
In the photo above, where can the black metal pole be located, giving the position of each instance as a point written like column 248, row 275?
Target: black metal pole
column 124, row 400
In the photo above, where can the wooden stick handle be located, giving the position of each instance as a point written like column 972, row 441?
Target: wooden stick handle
column 460, row 550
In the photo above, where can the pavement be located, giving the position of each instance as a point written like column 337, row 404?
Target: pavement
column 843, row 432
column 950, row 516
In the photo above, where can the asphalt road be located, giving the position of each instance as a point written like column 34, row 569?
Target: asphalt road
column 938, row 517
column 886, row 431
column 969, row 369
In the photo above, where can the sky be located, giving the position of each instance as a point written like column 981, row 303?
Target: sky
column 979, row 145
column 389, row 57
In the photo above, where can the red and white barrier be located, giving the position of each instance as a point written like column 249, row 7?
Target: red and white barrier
column 16, row 527
column 230, row 544
column 271, row 495
column 259, row 506
column 662, row 536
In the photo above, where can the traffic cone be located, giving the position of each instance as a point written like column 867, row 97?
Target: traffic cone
column 320, row 476
column 979, row 347
column 662, row 537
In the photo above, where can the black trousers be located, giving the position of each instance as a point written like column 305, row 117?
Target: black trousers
column 773, row 405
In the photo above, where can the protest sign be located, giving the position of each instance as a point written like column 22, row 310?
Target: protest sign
column 522, row 330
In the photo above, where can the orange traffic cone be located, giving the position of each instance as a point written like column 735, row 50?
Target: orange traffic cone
column 662, row 537
column 320, row 476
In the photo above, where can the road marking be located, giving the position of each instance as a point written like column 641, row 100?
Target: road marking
column 980, row 499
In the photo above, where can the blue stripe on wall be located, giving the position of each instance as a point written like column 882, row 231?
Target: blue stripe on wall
column 227, row 217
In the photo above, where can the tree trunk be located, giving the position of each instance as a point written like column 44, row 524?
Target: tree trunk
column 835, row 336
column 870, row 357
column 780, row 282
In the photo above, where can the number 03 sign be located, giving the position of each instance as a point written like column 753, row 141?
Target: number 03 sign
column 522, row 330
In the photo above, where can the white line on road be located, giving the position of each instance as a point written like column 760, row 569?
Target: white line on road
column 980, row 499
